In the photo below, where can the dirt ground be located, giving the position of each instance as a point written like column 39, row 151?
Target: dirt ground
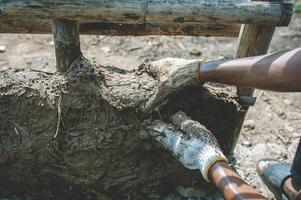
column 273, row 125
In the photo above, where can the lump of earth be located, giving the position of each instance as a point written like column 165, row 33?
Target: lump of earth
column 76, row 135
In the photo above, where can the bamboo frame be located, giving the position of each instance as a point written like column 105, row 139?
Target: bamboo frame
column 143, row 17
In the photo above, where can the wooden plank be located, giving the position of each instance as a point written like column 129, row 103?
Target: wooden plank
column 117, row 29
column 66, row 42
column 145, row 11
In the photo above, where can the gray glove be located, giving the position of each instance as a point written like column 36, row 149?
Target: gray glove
column 189, row 141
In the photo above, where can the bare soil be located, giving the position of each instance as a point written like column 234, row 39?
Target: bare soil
column 273, row 125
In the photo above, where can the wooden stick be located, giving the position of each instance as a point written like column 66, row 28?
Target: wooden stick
column 254, row 40
column 117, row 29
column 67, row 43
column 145, row 11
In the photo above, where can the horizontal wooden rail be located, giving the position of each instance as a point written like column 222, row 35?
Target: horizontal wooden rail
column 106, row 28
column 150, row 12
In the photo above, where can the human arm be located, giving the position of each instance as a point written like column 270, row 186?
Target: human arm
column 280, row 71
column 230, row 185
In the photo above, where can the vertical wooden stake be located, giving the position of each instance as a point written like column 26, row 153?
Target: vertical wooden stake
column 67, row 43
column 254, row 40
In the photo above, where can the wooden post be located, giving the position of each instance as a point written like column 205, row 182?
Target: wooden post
column 254, row 40
column 66, row 42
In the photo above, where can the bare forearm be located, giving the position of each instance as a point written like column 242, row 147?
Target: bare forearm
column 230, row 185
column 280, row 71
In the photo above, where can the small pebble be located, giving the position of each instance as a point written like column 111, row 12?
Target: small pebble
column 281, row 115
column 101, row 37
column 195, row 52
column 106, row 49
column 249, row 124
column 287, row 102
column 93, row 43
column 247, row 143
column 2, row 48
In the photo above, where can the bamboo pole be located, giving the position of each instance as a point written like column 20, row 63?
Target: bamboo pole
column 145, row 11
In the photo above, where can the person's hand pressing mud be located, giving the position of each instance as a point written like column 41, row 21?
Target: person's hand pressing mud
column 189, row 141
column 172, row 74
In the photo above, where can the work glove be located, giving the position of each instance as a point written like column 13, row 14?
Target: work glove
column 173, row 74
column 189, row 141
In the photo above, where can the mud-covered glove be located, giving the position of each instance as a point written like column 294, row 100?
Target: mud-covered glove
column 172, row 74
column 190, row 142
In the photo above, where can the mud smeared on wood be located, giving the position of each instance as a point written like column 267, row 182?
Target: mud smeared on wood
column 77, row 135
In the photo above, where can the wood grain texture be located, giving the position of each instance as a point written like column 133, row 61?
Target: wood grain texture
column 145, row 11
column 118, row 29
column 66, row 42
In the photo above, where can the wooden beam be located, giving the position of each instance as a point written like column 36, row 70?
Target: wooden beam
column 117, row 29
column 66, row 42
column 145, row 11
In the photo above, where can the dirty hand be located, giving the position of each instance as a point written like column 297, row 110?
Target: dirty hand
column 193, row 144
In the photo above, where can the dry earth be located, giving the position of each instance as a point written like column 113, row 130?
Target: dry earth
column 273, row 125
